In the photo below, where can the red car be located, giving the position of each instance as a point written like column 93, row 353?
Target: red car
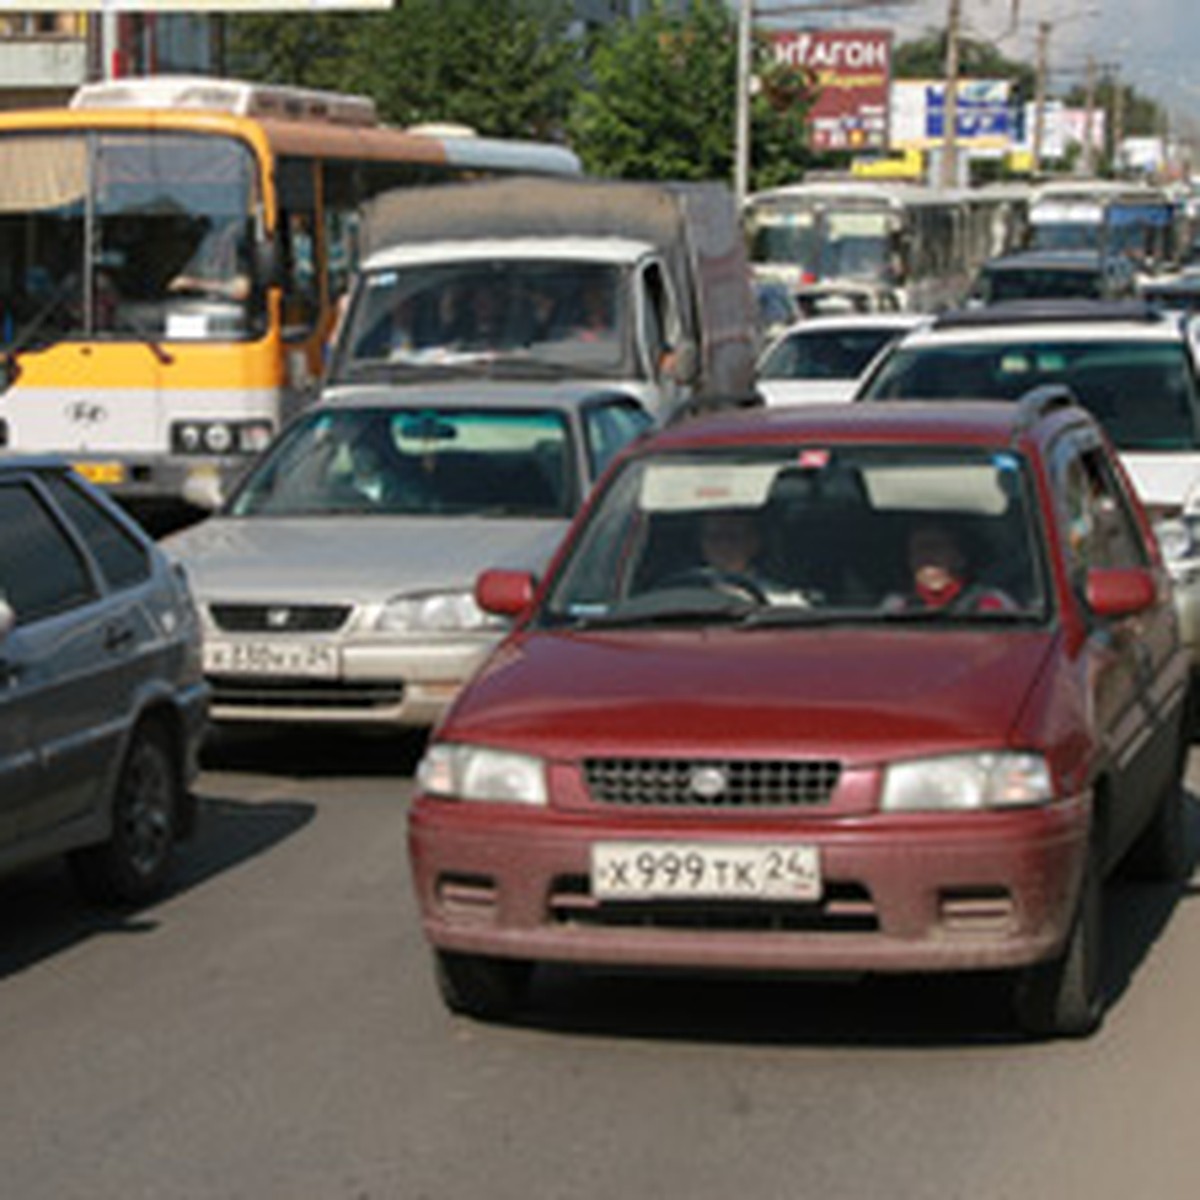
column 887, row 688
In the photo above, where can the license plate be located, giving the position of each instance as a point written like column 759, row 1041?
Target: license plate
column 705, row 871
column 101, row 473
column 294, row 659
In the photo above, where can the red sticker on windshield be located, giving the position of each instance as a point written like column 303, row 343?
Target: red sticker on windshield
column 813, row 460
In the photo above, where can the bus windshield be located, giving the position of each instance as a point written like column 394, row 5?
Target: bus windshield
column 787, row 238
column 855, row 245
column 126, row 235
column 1065, row 235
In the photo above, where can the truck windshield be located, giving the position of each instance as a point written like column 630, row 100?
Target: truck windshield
column 566, row 314
column 126, row 235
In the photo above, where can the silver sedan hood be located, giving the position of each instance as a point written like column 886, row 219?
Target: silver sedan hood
column 362, row 559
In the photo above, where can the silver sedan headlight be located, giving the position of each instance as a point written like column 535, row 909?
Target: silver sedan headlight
column 1178, row 539
column 464, row 772
column 962, row 782
column 435, row 612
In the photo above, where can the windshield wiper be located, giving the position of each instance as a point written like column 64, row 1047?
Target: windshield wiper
column 629, row 616
column 147, row 339
column 783, row 615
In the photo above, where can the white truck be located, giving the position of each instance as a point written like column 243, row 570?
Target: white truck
column 643, row 287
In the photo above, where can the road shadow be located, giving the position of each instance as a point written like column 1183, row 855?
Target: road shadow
column 314, row 753
column 922, row 1011
column 44, row 915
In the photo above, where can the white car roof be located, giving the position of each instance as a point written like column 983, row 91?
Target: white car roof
column 1048, row 331
column 837, row 322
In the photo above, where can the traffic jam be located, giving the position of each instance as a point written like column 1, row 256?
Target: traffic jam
column 771, row 596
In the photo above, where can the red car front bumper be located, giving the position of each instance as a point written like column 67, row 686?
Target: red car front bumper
column 918, row 892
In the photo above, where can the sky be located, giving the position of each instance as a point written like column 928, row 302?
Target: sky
column 1155, row 44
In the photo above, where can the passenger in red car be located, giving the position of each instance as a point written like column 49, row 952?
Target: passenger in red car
column 941, row 576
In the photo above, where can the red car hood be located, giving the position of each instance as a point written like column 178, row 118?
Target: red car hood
column 857, row 694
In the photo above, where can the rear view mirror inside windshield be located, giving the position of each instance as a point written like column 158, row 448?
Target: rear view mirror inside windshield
column 427, row 427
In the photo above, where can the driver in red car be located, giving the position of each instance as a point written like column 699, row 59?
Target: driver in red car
column 731, row 544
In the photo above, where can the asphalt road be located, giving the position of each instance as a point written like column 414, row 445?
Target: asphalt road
column 271, row 1030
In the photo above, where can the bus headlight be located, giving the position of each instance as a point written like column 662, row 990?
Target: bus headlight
column 221, row 437
column 218, row 439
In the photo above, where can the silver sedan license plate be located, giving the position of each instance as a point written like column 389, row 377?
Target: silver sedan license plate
column 705, row 871
column 284, row 659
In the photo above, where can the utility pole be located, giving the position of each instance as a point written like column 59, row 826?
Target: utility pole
column 950, row 105
column 741, row 184
column 1118, row 123
column 1039, row 94
column 1089, row 122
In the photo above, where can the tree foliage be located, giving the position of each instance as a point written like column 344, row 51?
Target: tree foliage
column 661, row 101
column 505, row 67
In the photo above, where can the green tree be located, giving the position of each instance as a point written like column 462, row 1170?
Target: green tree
column 305, row 51
column 661, row 101
column 505, row 67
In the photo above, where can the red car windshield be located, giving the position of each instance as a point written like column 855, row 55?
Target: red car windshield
column 808, row 533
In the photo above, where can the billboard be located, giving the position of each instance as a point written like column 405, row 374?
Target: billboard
column 985, row 117
column 852, row 71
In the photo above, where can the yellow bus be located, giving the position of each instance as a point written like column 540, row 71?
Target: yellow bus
column 172, row 250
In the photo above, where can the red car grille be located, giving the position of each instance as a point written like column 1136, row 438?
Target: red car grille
column 711, row 783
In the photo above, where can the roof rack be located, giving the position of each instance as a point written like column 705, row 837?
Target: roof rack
column 1045, row 312
column 1042, row 400
column 236, row 96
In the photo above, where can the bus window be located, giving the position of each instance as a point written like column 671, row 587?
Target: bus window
column 340, row 190
column 298, row 233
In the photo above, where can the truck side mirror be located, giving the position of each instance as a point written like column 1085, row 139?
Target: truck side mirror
column 682, row 362
column 10, row 371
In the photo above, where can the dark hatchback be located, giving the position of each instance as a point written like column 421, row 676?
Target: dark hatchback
column 102, row 704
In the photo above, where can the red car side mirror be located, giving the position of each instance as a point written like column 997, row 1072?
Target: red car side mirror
column 1120, row 591
column 504, row 593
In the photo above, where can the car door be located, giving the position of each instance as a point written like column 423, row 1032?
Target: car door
column 102, row 671
column 1137, row 682
column 52, row 654
column 18, row 760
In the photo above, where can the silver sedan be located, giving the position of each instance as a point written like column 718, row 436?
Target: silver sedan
column 336, row 585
